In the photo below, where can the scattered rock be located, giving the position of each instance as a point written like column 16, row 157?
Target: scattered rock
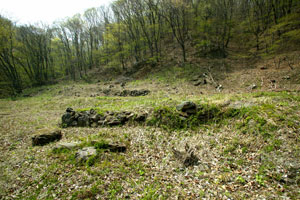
column 136, row 93
column 199, row 79
column 292, row 177
column 69, row 110
column 123, row 84
column 77, row 94
column 112, row 121
column 252, row 87
column 186, row 106
column 187, row 157
column 67, row 145
column 40, row 140
column 27, row 95
column 226, row 103
column 219, row 88
column 196, row 78
column 133, row 93
column 94, row 95
column 286, row 77
column 85, row 153
column 83, row 119
column 125, row 93
column 141, row 117
column 263, row 67
column 93, row 119
column 115, row 148
column 183, row 118
column 197, row 83
column 107, row 91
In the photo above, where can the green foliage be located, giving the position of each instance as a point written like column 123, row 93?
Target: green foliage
column 260, row 179
column 142, row 31
column 241, row 180
column 168, row 118
column 150, row 193
column 114, row 188
column 91, row 160
column 102, row 144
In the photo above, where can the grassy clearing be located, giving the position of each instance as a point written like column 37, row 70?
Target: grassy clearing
column 245, row 152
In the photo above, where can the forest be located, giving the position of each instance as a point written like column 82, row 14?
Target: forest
column 132, row 31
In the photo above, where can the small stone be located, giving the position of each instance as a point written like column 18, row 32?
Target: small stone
column 101, row 122
column 114, row 122
column 191, row 111
column 40, row 140
column 141, row 117
column 69, row 110
column 67, row 145
column 111, row 113
column 197, row 83
column 116, row 148
column 219, row 88
column 94, row 124
column 107, row 91
column 252, row 87
column 95, row 118
column 83, row 120
column 123, row 84
column 182, row 118
column 85, row 153
column 74, row 124
column 263, row 67
column 68, row 118
column 195, row 78
column 286, row 77
column 186, row 105
column 136, row 93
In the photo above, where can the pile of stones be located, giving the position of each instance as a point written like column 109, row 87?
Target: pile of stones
column 187, row 108
column 91, row 118
column 133, row 93
column 125, row 93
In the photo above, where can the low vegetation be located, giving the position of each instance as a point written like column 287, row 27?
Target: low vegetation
column 247, row 146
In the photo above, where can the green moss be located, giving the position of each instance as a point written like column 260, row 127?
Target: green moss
column 169, row 118
column 102, row 144
column 91, row 160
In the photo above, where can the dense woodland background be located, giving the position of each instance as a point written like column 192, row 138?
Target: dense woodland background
column 129, row 32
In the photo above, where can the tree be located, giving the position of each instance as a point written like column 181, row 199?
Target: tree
column 176, row 13
column 8, row 64
column 35, row 53
column 76, row 33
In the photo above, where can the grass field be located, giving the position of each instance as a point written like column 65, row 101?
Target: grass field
column 251, row 152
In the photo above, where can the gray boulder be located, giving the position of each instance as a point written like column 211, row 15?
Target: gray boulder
column 68, row 117
column 85, row 153
column 83, row 120
column 141, row 117
column 40, row 140
column 187, row 106
column 67, row 145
